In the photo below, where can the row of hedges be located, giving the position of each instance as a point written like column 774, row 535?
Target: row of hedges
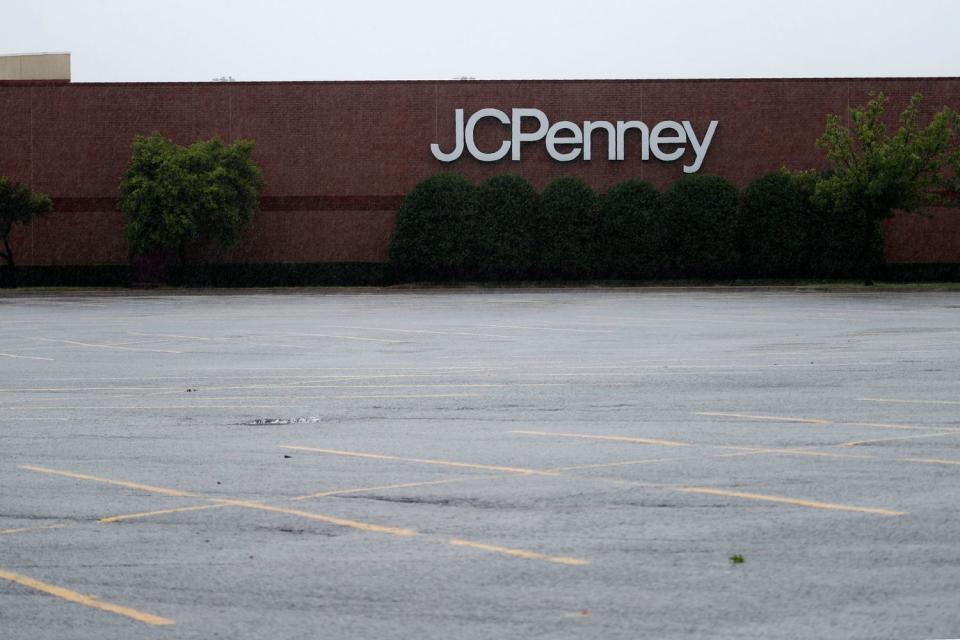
column 701, row 227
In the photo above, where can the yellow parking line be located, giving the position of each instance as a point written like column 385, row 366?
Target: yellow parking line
column 747, row 451
column 444, row 463
column 19, row 357
column 161, row 512
column 519, row 553
column 106, row 346
column 752, row 450
column 120, row 483
column 783, row 500
column 908, row 401
column 25, row 529
column 854, row 443
column 749, row 416
column 736, row 494
column 878, row 425
column 424, row 331
column 931, row 461
column 353, row 524
column 342, row 522
column 339, row 337
column 408, row 395
column 629, row 463
column 406, row 485
column 541, row 328
column 885, row 425
column 664, row 443
column 88, row 601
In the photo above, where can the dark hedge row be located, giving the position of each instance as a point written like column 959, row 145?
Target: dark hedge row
column 701, row 227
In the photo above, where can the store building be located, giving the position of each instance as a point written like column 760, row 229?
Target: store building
column 338, row 157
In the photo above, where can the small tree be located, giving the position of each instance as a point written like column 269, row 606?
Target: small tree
column 875, row 173
column 179, row 197
column 18, row 205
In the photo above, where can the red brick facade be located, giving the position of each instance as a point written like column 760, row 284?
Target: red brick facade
column 338, row 156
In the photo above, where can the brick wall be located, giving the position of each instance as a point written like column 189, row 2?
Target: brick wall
column 338, row 156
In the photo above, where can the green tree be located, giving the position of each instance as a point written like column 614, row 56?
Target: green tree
column 176, row 198
column 18, row 205
column 874, row 173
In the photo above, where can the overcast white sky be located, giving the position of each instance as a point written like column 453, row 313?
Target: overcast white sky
column 114, row 40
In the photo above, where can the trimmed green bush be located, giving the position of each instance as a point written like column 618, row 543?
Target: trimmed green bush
column 776, row 221
column 507, row 214
column 435, row 237
column 700, row 228
column 700, row 219
column 837, row 244
column 786, row 232
column 567, row 229
column 626, row 232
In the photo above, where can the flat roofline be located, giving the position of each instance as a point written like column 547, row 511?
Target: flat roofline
column 35, row 53
column 831, row 79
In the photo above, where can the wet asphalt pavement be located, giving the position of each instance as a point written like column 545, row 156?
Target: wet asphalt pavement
column 496, row 464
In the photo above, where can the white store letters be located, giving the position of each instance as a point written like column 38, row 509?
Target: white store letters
column 565, row 141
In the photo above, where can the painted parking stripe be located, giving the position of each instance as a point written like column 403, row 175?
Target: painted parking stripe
column 749, row 416
column 45, row 527
column 745, row 450
column 85, row 600
column 844, row 423
column 736, row 494
column 908, row 401
column 443, row 463
column 160, row 512
column 309, row 515
column 120, row 483
column 784, row 500
column 518, row 553
column 385, row 487
column 663, row 443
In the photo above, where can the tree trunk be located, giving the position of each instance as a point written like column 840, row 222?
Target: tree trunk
column 866, row 255
column 10, row 280
column 180, row 278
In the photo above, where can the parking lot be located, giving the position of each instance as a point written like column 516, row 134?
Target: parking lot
column 480, row 464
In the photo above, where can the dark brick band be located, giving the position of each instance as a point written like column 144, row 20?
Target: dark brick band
column 267, row 203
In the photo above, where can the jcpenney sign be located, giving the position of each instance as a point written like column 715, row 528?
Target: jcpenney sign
column 565, row 141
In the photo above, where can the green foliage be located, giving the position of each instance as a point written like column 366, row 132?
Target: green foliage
column 776, row 217
column 833, row 237
column 18, row 205
column 567, row 229
column 787, row 233
column 176, row 197
column 737, row 559
column 507, row 220
column 875, row 172
column 627, row 234
column 435, row 233
column 699, row 219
